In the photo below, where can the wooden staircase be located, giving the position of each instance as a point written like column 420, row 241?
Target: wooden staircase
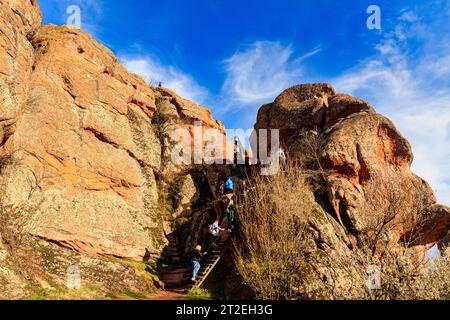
column 178, row 274
column 210, row 261
column 215, row 253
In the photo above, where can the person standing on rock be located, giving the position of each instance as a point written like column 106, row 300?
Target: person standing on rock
column 279, row 154
column 198, row 255
column 247, row 158
column 236, row 151
column 231, row 215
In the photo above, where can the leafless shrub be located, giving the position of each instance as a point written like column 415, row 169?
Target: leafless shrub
column 5, row 160
column 14, row 218
column 280, row 255
column 273, row 230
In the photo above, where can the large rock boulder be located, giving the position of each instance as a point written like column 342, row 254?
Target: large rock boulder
column 85, row 145
column 364, row 160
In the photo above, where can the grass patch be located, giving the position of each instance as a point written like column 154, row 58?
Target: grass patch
column 199, row 294
column 149, row 271
column 135, row 295
column 111, row 295
column 48, row 290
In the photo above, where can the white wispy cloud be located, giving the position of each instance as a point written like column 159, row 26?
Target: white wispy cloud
column 260, row 71
column 91, row 16
column 411, row 87
column 154, row 72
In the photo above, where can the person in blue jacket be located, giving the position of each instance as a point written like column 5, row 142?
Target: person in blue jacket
column 198, row 255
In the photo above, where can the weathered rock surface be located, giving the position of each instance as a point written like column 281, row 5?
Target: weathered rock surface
column 85, row 154
column 86, row 141
column 365, row 160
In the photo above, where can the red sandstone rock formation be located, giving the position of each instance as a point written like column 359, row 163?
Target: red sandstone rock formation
column 366, row 162
column 85, row 138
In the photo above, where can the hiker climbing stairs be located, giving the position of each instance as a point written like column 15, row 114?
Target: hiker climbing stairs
column 177, row 274
column 210, row 262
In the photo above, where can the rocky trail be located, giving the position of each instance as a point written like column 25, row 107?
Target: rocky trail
column 177, row 276
column 170, row 295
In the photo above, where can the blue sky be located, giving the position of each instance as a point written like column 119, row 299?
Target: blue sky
column 232, row 56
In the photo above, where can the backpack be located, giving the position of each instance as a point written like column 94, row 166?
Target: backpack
column 229, row 184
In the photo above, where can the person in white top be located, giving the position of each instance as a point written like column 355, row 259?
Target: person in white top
column 280, row 154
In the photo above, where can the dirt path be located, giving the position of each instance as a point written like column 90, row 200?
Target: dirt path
column 175, row 294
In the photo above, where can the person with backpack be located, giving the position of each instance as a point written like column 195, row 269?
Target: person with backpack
column 231, row 215
column 198, row 255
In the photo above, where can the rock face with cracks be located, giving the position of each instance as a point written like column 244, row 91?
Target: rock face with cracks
column 85, row 144
column 364, row 159
column 85, row 151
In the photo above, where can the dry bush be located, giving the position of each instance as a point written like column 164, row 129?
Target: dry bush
column 5, row 160
column 437, row 283
column 273, row 230
column 14, row 219
column 280, row 257
column 12, row 224
column 391, row 206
